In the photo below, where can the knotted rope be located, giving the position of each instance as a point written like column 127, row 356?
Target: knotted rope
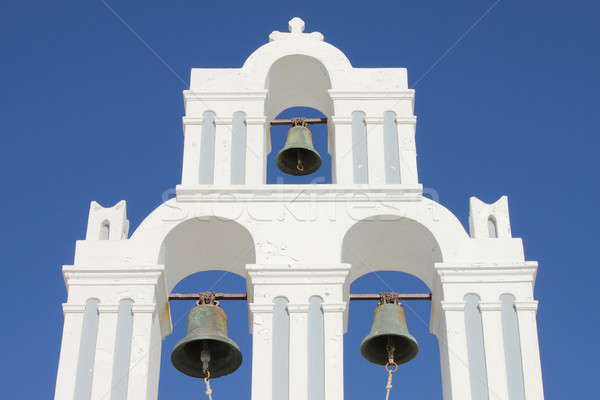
column 207, row 384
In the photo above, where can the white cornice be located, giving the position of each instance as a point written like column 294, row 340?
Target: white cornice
column 334, row 307
column 112, row 275
column 192, row 121
column 453, row 306
column 70, row 308
column 297, row 308
column 298, row 193
column 108, row 308
column 257, row 308
column 298, row 274
column 258, row 95
column 490, row 306
column 487, row 272
column 531, row 305
column 407, row 94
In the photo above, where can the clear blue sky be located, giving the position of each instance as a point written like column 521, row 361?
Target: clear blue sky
column 507, row 101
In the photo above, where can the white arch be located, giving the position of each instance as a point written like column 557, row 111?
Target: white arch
column 258, row 64
column 171, row 235
column 297, row 80
column 391, row 243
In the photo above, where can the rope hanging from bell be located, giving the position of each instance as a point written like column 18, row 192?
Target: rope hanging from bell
column 205, row 359
column 391, row 367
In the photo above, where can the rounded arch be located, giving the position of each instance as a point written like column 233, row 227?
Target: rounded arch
column 388, row 242
column 297, row 80
column 202, row 244
column 260, row 61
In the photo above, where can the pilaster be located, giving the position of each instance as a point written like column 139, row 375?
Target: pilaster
column 145, row 287
column 333, row 315
column 223, row 140
column 140, row 371
column 495, row 359
column 375, row 150
column 105, row 351
column 192, row 133
column 298, row 351
column 69, row 351
column 262, row 350
column 255, row 150
column 408, row 151
column 450, row 330
column 343, row 150
column 298, row 283
column 530, row 349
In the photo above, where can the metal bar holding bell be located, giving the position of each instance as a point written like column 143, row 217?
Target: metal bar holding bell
column 353, row 297
column 307, row 121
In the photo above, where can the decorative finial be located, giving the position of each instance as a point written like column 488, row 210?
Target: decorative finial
column 296, row 30
column 296, row 25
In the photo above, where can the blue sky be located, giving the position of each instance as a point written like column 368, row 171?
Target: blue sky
column 507, row 101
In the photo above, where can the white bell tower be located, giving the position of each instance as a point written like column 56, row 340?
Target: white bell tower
column 299, row 247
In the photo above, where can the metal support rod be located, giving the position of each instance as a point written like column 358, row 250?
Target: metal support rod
column 244, row 296
column 306, row 120
column 401, row 296
column 218, row 296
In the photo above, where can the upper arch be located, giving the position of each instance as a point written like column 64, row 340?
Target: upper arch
column 258, row 64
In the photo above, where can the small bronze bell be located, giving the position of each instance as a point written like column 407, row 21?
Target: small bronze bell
column 298, row 156
column 206, row 347
column 389, row 335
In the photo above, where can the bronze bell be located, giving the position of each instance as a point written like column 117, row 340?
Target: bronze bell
column 298, row 156
column 206, row 346
column 389, row 336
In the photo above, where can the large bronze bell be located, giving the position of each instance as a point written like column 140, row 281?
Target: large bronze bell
column 206, row 346
column 389, row 336
column 298, row 156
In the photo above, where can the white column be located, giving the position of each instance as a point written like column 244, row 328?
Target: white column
column 333, row 315
column 298, row 351
column 256, row 153
column 155, row 355
column 453, row 338
column 223, row 137
column 495, row 359
column 408, row 150
column 530, row 351
column 375, row 150
column 192, row 133
column 69, row 351
column 343, row 151
column 262, row 351
column 105, row 351
column 140, row 373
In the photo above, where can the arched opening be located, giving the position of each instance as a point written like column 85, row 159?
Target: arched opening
column 105, row 231
column 174, row 384
column 219, row 248
column 492, row 227
column 298, row 86
column 205, row 243
column 320, row 139
column 391, row 242
column 389, row 253
column 419, row 378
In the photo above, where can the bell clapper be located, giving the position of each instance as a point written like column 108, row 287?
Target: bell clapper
column 205, row 358
column 299, row 122
column 299, row 165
